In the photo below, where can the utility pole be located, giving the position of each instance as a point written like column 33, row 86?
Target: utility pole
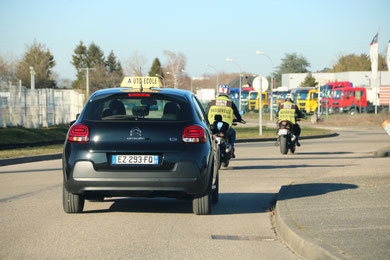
column 87, row 79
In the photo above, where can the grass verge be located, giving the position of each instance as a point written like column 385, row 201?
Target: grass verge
column 31, row 151
column 21, row 135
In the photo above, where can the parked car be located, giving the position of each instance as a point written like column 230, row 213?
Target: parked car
column 140, row 140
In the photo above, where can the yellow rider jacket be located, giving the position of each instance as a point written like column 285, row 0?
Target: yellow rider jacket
column 222, row 105
column 287, row 112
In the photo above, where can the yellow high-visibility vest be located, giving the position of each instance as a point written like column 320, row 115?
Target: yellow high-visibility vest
column 287, row 112
column 222, row 105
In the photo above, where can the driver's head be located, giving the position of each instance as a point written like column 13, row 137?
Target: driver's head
column 117, row 107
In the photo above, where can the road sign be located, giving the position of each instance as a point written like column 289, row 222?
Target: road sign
column 260, row 81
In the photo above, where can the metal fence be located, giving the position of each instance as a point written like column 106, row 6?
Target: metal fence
column 37, row 108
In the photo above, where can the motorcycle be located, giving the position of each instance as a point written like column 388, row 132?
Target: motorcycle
column 285, row 137
column 220, row 131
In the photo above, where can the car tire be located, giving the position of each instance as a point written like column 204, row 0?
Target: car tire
column 73, row 203
column 202, row 205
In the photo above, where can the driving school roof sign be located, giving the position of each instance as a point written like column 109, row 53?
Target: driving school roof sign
column 141, row 82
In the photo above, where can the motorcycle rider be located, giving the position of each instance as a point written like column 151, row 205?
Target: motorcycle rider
column 224, row 106
column 288, row 111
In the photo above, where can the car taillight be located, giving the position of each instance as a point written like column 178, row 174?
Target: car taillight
column 194, row 134
column 79, row 134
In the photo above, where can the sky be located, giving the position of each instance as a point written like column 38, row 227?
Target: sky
column 205, row 31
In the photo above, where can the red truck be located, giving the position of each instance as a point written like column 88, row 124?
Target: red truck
column 327, row 90
column 348, row 100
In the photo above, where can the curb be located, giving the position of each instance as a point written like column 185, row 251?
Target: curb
column 4, row 162
column 293, row 235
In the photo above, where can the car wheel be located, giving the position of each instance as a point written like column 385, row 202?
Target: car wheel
column 215, row 192
column 73, row 203
column 202, row 205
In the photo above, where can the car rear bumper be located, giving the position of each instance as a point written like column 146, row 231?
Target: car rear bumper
column 184, row 178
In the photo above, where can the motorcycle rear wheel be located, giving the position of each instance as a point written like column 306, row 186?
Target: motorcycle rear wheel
column 225, row 163
column 283, row 144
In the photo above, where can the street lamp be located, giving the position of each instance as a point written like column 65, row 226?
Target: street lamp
column 216, row 71
column 32, row 74
column 161, row 77
column 239, row 88
column 169, row 73
column 272, row 82
column 184, row 71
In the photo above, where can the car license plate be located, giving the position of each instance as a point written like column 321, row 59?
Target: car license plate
column 282, row 132
column 135, row 159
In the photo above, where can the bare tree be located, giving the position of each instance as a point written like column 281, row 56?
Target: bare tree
column 8, row 68
column 135, row 65
column 175, row 67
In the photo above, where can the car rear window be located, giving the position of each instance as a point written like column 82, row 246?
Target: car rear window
column 137, row 106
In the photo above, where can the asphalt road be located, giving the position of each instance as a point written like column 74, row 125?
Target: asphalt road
column 33, row 224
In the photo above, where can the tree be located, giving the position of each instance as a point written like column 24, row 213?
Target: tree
column 106, row 74
column 135, row 64
column 156, row 68
column 7, row 69
column 94, row 56
column 79, row 61
column 382, row 66
column 112, row 65
column 114, row 71
column 41, row 59
column 353, row 62
column 309, row 81
column 291, row 63
column 176, row 65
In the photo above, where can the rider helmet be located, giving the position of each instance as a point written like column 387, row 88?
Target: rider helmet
column 290, row 97
column 223, row 90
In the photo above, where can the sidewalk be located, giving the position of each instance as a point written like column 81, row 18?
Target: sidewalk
column 345, row 215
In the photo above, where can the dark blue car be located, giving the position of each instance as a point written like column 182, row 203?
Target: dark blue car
column 147, row 142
